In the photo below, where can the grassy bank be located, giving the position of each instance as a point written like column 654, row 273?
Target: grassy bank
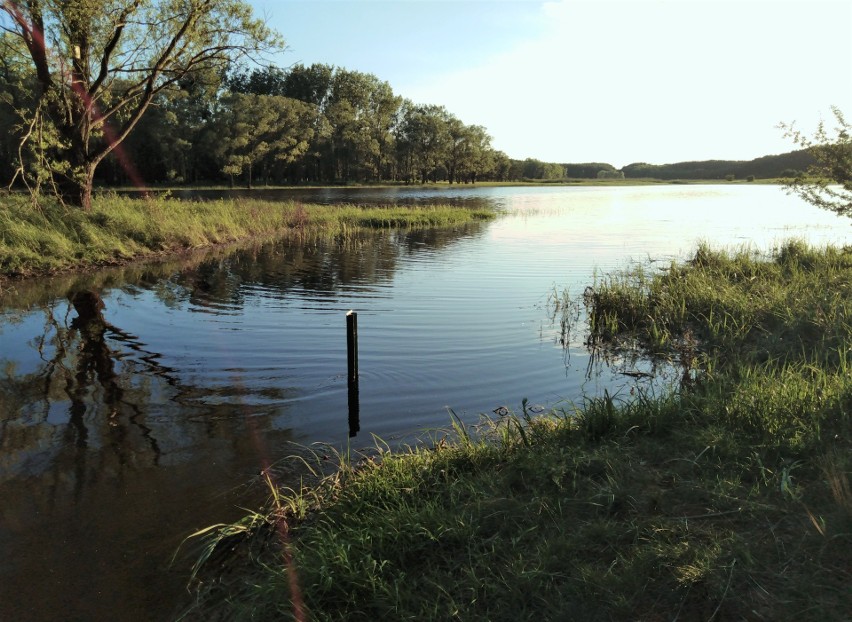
column 118, row 229
column 726, row 499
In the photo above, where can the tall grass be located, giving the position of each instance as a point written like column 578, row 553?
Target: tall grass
column 117, row 229
column 796, row 305
column 724, row 499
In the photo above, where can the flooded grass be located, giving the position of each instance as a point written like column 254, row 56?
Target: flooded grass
column 728, row 498
column 51, row 238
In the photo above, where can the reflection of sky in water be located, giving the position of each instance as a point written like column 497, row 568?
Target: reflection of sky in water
column 219, row 364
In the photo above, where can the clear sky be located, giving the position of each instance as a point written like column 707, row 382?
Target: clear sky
column 656, row 81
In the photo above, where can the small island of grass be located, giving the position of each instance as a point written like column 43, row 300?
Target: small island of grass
column 48, row 237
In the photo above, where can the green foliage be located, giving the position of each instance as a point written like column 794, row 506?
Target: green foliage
column 605, row 174
column 270, row 80
column 588, row 170
column 796, row 306
column 97, row 66
column 536, row 169
column 361, row 110
column 469, row 152
column 261, row 130
column 828, row 181
column 422, row 140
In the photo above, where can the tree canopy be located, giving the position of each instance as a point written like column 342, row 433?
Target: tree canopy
column 97, row 65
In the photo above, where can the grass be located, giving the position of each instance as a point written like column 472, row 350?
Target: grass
column 726, row 498
column 735, row 308
column 51, row 238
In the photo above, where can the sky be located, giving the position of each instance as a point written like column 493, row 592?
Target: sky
column 656, row 81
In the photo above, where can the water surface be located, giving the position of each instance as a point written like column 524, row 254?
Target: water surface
column 137, row 403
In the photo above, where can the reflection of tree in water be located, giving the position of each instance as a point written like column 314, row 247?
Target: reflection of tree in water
column 94, row 361
column 79, row 368
column 323, row 266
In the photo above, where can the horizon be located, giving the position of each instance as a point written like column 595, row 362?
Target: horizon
column 702, row 80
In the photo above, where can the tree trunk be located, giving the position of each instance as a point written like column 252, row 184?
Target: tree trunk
column 86, row 193
column 77, row 190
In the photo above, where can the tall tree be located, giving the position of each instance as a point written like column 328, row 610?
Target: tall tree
column 100, row 63
column 501, row 166
column 468, row 153
column 423, row 140
column 269, row 80
column 309, row 84
column 361, row 110
column 15, row 97
column 262, row 130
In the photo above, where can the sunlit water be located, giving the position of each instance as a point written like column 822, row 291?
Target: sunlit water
column 135, row 404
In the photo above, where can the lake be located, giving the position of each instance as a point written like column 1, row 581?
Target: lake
column 139, row 404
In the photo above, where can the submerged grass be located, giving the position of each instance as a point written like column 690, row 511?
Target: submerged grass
column 50, row 238
column 728, row 498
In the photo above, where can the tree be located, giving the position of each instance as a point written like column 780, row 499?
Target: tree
column 457, row 147
column 828, row 182
column 423, row 140
column 469, row 152
column 15, row 99
column 270, row 80
column 99, row 64
column 361, row 110
column 311, row 85
column 262, row 130
column 501, row 166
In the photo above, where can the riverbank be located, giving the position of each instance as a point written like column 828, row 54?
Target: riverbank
column 51, row 238
column 728, row 498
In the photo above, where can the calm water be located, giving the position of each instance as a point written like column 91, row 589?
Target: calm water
column 136, row 404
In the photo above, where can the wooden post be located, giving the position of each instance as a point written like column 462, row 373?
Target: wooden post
column 352, row 372
column 354, row 410
column 352, row 345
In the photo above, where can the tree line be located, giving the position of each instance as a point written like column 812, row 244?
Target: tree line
column 126, row 92
column 309, row 124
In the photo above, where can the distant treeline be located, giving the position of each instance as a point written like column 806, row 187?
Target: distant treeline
column 767, row 167
column 319, row 124
column 785, row 165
